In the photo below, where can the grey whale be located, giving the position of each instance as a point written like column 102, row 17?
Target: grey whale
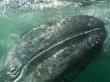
column 53, row 51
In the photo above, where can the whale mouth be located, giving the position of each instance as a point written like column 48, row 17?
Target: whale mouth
column 41, row 56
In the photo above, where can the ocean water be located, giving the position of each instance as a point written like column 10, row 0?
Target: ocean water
column 18, row 16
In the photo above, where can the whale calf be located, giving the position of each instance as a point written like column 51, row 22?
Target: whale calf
column 53, row 51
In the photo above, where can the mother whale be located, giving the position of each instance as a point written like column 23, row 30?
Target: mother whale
column 53, row 51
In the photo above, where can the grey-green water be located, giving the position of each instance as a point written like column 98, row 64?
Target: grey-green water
column 16, row 20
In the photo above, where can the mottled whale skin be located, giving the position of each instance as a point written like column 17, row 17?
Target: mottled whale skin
column 53, row 51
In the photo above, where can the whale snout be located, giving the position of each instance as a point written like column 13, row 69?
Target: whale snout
column 84, row 23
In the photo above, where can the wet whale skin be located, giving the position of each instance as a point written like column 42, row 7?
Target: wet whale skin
column 54, row 52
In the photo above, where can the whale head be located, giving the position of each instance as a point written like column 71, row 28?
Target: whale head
column 51, row 50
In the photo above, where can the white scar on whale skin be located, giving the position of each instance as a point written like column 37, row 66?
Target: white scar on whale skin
column 24, row 68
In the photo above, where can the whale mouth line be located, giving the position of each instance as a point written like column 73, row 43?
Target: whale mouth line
column 61, row 42
column 20, row 76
